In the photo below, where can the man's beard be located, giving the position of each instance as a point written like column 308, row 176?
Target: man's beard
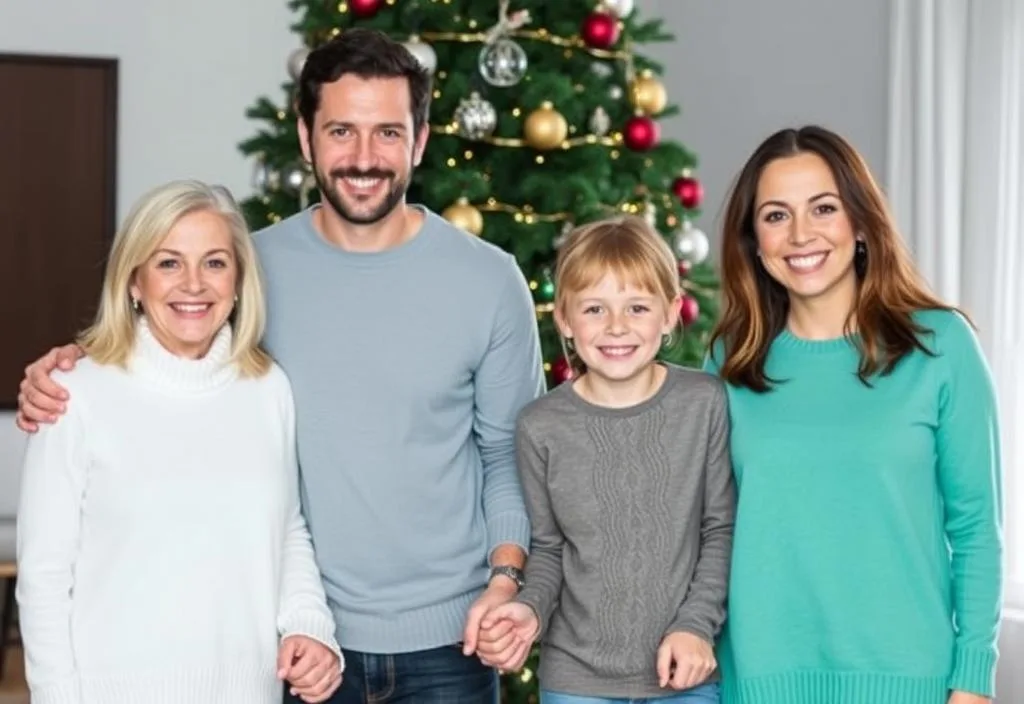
column 328, row 185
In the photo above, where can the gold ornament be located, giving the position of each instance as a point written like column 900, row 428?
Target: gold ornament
column 464, row 216
column 545, row 127
column 647, row 94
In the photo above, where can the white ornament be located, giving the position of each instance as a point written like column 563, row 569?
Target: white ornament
column 567, row 228
column 423, row 52
column 600, row 122
column 691, row 244
column 296, row 60
column 615, row 92
column 620, row 8
column 502, row 63
column 475, row 117
column 602, row 69
column 651, row 214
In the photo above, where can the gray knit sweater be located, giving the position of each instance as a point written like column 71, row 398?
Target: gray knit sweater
column 632, row 517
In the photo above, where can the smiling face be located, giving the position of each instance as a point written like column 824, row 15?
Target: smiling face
column 187, row 286
column 615, row 329
column 363, row 146
column 805, row 238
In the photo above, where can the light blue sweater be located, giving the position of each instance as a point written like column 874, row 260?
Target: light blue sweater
column 409, row 368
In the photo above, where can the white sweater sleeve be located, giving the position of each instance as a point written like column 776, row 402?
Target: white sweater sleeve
column 303, row 609
column 49, row 515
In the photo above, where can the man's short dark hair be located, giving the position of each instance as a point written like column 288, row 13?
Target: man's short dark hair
column 367, row 53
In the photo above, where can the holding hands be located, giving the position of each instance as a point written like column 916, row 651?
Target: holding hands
column 499, row 630
column 684, row 661
column 507, row 633
column 312, row 669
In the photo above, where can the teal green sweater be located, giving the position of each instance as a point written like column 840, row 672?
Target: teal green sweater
column 867, row 554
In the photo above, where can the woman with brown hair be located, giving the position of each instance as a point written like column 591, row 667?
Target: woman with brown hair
column 867, row 557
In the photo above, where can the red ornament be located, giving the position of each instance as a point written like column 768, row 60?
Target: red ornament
column 600, row 30
column 364, row 8
column 689, row 191
column 689, row 310
column 561, row 371
column 641, row 133
column 685, row 267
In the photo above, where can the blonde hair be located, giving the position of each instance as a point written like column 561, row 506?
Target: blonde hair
column 626, row 247
column 111, row 337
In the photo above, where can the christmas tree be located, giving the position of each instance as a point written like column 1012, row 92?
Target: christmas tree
column 544, row 116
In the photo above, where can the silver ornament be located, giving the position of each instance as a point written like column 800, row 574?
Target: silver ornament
column 293, row 178
column 692, row 244
column 475, row 117
column 296, row 60
column 620, row 8
column 615, row 92
column 502, row 63
column 600, row 122
column 264, row 178
column 602, row 69
column 423, row 52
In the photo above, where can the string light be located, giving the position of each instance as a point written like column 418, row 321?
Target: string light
column 612, row 140
column 540, row 35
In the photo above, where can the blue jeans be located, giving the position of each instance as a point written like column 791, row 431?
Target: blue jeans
column 437, row 676
column 701, row 694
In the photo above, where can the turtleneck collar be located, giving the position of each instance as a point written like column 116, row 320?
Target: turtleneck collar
column 152, row 362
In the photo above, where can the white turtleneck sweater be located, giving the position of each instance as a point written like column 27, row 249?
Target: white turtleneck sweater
column 162, row 554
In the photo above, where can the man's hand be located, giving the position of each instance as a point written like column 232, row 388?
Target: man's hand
column 507, row 633
column 684, row 661
column 40, row 399
column 311, row 668
column 500, row 591
column 959, row 697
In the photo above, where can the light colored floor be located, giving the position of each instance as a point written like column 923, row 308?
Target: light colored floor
column 12, row 686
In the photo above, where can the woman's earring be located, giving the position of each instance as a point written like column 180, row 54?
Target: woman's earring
column 136, row 306
column 569, row 344
column 666, row 339
column 860, row 258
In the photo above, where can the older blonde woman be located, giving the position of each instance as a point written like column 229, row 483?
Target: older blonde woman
column 162, row 554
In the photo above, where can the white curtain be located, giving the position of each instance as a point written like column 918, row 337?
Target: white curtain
column 955, row 178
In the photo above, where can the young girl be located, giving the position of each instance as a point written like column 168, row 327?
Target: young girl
column 629, row 487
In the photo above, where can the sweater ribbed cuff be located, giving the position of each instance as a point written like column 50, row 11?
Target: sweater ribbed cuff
column 316, row 626
column 974, row 671
column 66, row 692
column 542, row 610
column 510, row 527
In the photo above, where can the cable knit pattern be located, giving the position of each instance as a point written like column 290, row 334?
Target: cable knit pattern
column 631, row 482
column 162, row 552
column 632, row 513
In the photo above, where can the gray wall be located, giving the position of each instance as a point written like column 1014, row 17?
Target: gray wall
column 740, row 69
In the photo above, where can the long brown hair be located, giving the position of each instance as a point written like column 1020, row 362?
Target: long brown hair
column 755, row 306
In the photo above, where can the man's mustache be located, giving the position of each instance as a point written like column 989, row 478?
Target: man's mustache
column 357, row 173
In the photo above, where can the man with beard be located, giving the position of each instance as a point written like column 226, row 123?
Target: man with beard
column 411, row 347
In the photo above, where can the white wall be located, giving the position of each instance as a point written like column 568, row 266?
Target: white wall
column 740, row 69
column 188, row 71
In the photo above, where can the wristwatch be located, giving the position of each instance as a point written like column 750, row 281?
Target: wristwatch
column 513, row 573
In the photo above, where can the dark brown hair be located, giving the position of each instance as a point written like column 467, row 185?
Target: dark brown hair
column 366, row 53
column 755, row 306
